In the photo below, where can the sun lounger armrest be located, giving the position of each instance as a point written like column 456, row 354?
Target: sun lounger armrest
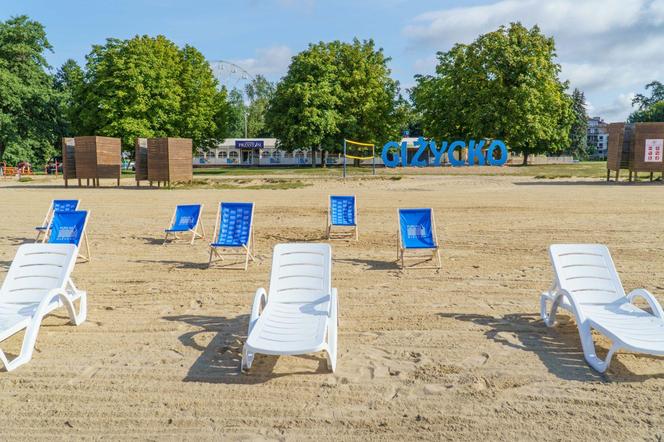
column 50, row 297
column 649, row 298
column 260, row 301
column 556, row 298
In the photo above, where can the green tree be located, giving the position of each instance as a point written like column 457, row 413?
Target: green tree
column 649, row 109
column 29, row 102
column 259, row 92
column 503, row 85
column 147, row 86
column 334, row 91
column 68, row 81
column 237, row 110
column 578, row 135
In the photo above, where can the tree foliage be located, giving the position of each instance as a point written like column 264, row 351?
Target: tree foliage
column 29, row 103
column 578, row 135
column 333, row 91
column 259, row 93
column 147, row 87
column 503, row 85
column 649, row 109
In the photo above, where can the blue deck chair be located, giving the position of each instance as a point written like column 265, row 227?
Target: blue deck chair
column 56, row 206
column 186, row 218
column 342, row 217
column 417, row 231
column 69, row 228
column 234, row 230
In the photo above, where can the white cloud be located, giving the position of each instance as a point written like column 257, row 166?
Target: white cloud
column 618, row 108
column 607, row 48
column 270, row 62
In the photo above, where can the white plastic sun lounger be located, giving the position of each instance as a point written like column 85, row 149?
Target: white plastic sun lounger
column 587, row 285
column 299, row 315
column 37, row 283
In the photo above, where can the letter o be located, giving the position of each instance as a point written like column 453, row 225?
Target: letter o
column 497, row 144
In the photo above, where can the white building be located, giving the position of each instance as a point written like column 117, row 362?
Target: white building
column 256, row 152
column 598, row 137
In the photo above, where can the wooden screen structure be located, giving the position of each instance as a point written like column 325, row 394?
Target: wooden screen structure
column 98, row 157
column 647, row 151
column 634, row 147
column 68, row 160
column 141, row 160
column 170, row 160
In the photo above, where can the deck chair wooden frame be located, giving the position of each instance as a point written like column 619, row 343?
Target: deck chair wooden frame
column 435, row 251
column 218, row 253
column 337, row 232
column 194, row 232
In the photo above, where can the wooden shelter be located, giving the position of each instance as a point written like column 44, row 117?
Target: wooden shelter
column 169, row 160
column 636, row 147
column 141, row 160
column 91, row 158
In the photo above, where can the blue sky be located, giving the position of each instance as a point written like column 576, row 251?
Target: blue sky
column 592, row 36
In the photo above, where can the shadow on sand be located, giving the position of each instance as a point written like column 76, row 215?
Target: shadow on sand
column 370, row 264
column 219, row 362
column 558, row 348
column 177, row 264
column 560, row 182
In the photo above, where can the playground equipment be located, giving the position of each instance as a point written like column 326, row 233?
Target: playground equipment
column 638, row 147
column 20, row 169
column 91, row 158
column 165, row 160
column 359, row 151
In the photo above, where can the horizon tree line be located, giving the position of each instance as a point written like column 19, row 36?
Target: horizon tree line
column 506, row 84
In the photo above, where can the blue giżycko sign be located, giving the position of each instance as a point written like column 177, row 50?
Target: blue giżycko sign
column 248, row 144
column 395, row 154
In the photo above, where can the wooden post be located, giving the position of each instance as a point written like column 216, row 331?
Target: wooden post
column 608, row 175
column 617, row 175
column 651, row 175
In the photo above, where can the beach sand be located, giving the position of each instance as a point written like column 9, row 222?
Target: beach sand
column 459, row 353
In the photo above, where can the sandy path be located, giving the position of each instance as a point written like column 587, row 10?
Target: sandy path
column 454, row 354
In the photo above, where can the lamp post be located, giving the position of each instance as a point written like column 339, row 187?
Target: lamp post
column 245, row 124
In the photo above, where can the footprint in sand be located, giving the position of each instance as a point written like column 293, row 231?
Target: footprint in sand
column 477, row 360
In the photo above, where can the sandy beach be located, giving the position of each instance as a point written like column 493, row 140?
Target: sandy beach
column 459, row 353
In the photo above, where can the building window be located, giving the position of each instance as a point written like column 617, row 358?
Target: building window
column 222, row 155
column 233, row 155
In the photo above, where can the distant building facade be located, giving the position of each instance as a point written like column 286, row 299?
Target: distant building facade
column 598, row 138
column 255, row 152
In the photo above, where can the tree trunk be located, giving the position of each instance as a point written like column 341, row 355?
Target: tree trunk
column 323, row 155
column 313, row 156
column 525, row 159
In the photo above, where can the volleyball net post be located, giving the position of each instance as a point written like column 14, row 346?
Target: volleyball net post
column 359, row 156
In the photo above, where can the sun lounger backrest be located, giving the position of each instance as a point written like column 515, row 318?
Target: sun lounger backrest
column 301, row 272
column 587, row 272
column 36, row 269
column 342, row 210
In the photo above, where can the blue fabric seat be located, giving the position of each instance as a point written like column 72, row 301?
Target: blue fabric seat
column 234, row 230
column 69, row 228
column 417, row 230
column 56, row 206
column 342, row 210
column 342, row 213
column 186, row 218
